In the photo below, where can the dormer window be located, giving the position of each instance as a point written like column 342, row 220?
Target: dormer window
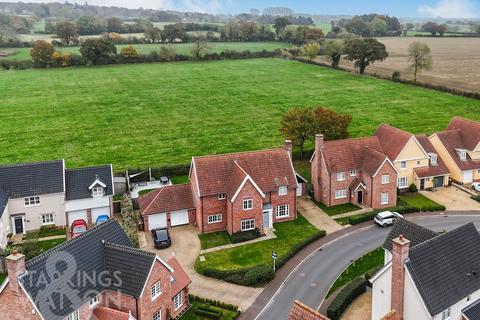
column 433, row 159
column 283, row 190
column 98, row 192
column 463, row 155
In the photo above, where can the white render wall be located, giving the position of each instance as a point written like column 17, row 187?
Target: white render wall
column 456, row 309
column 413, row 306
column 90, row 203
column 5, row 228
column 382, row 294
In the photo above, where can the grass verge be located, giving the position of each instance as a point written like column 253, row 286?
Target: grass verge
column 339, row 209
column 416, row 200
column 48, row 232
column 214, row 239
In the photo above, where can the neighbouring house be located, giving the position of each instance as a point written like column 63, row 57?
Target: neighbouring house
column 459, row 148
column 300, row 311
column 39, row 194
column 353, row 171
column 414, row 158
column 98, row 275
column 233, row 192
column 427, row 275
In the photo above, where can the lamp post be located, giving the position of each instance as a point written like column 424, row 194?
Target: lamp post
column 274, row 258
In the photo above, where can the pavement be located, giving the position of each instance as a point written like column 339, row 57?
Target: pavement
column 186, row 248
column 360, row 309
column 453, row 199
column 308, row 275
column 316, row 216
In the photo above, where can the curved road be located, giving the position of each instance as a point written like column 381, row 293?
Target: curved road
column 312, row 278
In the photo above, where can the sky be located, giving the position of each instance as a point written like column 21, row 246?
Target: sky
column 399, row 8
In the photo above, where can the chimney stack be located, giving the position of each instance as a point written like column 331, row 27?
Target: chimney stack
column 400, row 250
column 318, row 142
column 15, row 267
column 288, row 145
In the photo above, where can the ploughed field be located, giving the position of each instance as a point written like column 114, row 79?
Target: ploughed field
column 158, row 114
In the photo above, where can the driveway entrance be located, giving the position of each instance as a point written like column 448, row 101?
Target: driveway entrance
column 453, row 199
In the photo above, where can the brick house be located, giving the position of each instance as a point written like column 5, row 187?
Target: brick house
column 353, row 171
column 300, row 311
column 233, row 192
column 98, row 275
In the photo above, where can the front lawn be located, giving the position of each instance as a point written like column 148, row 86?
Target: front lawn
column 145, row 191
column 339, row 209
column 416, row 200
column 180, row 179
column 195, row 312
column 289, row 234
column 31, row 249
column 45, row 232
column 214, row 239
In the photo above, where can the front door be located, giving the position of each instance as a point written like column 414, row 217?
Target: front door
column 422, row 184
column 267, row 219
column 360, row 197
column 18, row 225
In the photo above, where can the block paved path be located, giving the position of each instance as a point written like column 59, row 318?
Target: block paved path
column 316, row 216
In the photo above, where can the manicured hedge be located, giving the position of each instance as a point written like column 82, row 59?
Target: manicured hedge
column 215, row 303
column 243, row 236
column 345, row 297
column 476, row 198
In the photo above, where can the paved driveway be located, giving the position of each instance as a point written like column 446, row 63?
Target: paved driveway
column 186, row 248
column 453, row 199
column 316, row 216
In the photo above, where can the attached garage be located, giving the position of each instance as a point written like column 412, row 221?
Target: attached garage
column 468, row 177
column 178, row 218
column 76, row 215
column 96, row 212
column 157, row 221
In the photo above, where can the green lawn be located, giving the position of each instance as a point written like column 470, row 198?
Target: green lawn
column 214, row 239
column 181, row 48
column 358, row 268
column 179, row 179
column 190, row 314
column 2, row 277
column 143, row 192
column 303, row 168
column 338, row 209
column 44, row 233
column 416, row 200
column 159, row 114
column 49, row 244
column 288, row 235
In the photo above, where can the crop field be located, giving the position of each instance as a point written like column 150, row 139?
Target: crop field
column 456, row 61
column 181, row 48
column 159, row 114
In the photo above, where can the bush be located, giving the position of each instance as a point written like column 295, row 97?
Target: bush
column 345, row 297
column 412, row 188
column 208, row 314
column 476, row 198
column 396, row 76
column 243, row 236
column 259, row 274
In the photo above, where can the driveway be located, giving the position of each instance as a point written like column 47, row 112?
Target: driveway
column 186, row 248
column 453, row 199
column 316, row 216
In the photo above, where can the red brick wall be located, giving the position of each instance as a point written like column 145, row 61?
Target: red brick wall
column 238, row 214
column 391, row 187
column 336, row 185
column 197, row 200
column 211, row 205
column 183, row 307
column 321, row 179
column 290, row 198
column 118, row 301
column 400, row 250
column 16, row 305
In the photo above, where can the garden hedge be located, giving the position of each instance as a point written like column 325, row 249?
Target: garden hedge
column 345, row 297
column 243, row 236
column 476, row 198
column 215, row 303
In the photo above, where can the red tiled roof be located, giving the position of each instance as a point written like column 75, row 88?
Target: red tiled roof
column 300, row 311
column 355, row 184
column 268, row 168
column 392, row 139
column 167, row 199
column 452, row 140
column 236, row 178
column 182, row 280
column 469, row 131
column 392, row 315
column 372, row 160
column 104, row 313
column 431, row 171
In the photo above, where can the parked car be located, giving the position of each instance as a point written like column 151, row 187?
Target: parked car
column 476, row 186
column 387, row 218
column 78, row 227
column 101, row 219
column 161, row 238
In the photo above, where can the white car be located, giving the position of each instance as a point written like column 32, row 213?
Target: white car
column 387, row 218
column 476, row 186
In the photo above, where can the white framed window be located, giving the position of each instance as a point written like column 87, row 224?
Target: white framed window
column 94, row 301
column 283, row 190
column 47, row 218
column 353, row 173
column 478, row 171
column 157, row 315
column 32, row 201
column 248, row 224
column 385, row 178
column 433, row 159
column 73, row 316
column 98, row 192
column 384, row 198
column 222, row 196
column 340, row 193
column 248, row 204
column 282, row 211
column 340, row 176
column 215, row 218
column 446, row 314
column 156, row 290
column 178, row 301
column 403, row 165
column 463, row 155
column 403, row 182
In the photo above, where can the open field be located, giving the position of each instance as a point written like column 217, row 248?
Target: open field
column 159, row 114
column 456, row 61
column 181, row 48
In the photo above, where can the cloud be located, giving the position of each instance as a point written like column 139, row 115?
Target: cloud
column 450, row 9
column 204, row 6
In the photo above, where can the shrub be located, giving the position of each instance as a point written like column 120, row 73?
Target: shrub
column 243, row 236
column 208, row 314
column 412, row 188
column 259, row 274
column 476, row 198
column 396, row 76
column 345, row 297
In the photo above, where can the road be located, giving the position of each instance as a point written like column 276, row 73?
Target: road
column 312, row 278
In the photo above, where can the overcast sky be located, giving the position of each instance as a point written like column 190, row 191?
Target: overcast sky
column 400, row 8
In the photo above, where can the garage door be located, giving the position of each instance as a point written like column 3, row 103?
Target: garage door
column 178, row 218
column 157, row 221
column 76, row 215
column 96, row 212
column 468, row 177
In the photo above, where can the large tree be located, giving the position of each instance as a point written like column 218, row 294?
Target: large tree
column 280, row 24
column 419, row 58
column 87, row 25
column 153, row 34
column 298, row 126
column 364, row 52
column 67, row 32
column 115, row 25
column 333, row 125
column 96, row 50
column 42, row 53
column 333, row 49
column 199, row 48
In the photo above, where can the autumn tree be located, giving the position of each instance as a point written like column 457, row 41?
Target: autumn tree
column 333, row 125
column 61, row 59
column 333, row 49
column 95, row 51
column 67, row 32
column 129, row 53
column 298, row 126
column 42, row 53
column 311, row 50
column 419, row 58
column 167, row 53
column 364, row 52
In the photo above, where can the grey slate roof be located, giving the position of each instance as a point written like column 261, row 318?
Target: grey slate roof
column 100, row 253
column 472, row 312
column 413, row 232
column 32, row 179
column 3, row 201
column 446, row 268
column 78, row 180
